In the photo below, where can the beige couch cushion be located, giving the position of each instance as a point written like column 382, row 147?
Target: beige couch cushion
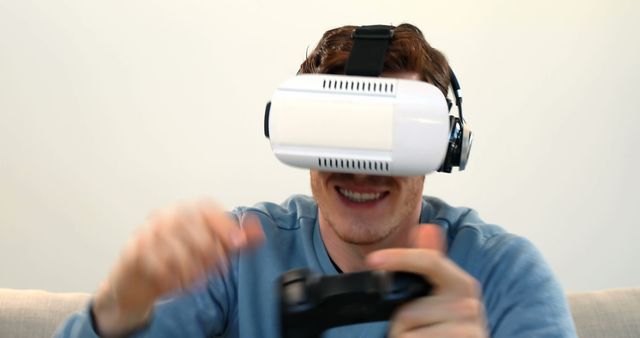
column 35, row 313
column 598, row 314
column 607, row 314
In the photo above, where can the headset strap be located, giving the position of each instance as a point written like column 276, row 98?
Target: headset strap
column 369, row 50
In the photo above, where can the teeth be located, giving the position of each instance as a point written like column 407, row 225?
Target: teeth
column 360, row 197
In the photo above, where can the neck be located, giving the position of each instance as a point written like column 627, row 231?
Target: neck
column 350, row 257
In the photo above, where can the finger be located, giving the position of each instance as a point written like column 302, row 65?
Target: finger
column 178, row 257
column 250, row 225
column 221, row 226
column 439, row 270
column 464, row 329
column 417, row 313
column 134, row 269
column 151, row 265
column 193, row 231
column 433, row 310
column 186, row 236
column 175, row 244
column 428, row 236
column 159, row 274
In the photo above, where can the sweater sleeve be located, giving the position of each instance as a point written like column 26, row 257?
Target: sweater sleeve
column 202, row 312
column 521, row 295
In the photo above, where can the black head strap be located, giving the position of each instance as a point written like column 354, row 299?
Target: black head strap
column 369, row 49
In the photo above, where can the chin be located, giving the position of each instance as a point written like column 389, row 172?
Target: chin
column 362, row 232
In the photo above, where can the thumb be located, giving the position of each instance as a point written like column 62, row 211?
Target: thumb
column 252, row 229
column 428, row 236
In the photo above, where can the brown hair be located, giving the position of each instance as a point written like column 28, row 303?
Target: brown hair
column 407, row 51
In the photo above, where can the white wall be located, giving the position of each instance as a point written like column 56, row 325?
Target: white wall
column 110, row 109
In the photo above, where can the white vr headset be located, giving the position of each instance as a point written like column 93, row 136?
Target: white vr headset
column 364, row 124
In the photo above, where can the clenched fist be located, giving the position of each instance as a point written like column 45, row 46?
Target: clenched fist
column 455, row 308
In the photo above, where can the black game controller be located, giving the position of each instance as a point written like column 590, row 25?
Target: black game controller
column 311, row 304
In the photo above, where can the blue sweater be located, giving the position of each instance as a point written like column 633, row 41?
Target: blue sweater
column 521, row 296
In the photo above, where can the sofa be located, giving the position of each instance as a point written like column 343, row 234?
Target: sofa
column 34, row 313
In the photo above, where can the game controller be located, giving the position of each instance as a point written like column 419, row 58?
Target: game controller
column 311, row 303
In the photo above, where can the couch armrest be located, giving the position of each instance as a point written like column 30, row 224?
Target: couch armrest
column 609, row 313
column 36, row 313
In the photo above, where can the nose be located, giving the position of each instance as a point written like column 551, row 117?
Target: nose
column 369, row 179
column 360, row 177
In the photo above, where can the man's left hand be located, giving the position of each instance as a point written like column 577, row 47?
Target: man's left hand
column 454, row 309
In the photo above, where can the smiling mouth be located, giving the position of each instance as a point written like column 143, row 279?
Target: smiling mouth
column 361, row 197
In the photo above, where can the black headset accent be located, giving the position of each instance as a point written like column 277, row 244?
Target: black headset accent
column 367, row 59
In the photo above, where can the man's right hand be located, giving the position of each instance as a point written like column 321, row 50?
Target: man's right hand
column 174, row 249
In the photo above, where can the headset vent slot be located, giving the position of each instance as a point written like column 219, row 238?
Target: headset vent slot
column 359, row 165
column 359, row 86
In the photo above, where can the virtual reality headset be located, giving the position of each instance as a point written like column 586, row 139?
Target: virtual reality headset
column 364, row 124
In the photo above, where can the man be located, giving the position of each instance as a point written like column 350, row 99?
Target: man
column 194, row 272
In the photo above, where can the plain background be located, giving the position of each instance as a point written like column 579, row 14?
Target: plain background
column 111, row 109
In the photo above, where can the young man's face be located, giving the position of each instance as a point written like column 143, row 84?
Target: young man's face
column 366, row 209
